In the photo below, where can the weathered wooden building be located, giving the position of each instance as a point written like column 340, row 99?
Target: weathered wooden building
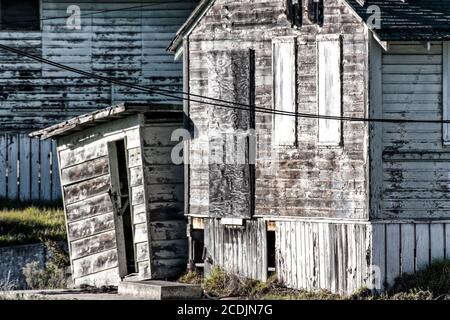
column 121, row 39
column 123, row 195
column 328, row 204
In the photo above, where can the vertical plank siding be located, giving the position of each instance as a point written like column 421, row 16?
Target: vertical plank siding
column 330, row 256
column 28, row 169
column 240, row 250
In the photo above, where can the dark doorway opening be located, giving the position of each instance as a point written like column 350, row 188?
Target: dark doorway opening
column 121, row 202
column 271, row 261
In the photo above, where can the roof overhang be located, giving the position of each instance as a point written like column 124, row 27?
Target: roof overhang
column 176, row 46
column 95, row 118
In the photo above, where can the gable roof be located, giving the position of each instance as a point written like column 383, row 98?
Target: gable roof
column 410, row 20
column 104, row 115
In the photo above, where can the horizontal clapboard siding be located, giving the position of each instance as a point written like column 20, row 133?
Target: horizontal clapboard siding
column 28, row 169
column 415, row 162
column 127, row 44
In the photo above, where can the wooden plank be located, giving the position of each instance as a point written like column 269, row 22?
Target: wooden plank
column 134, row 157
column 437, row 241
column 329, row 89
column 284, row 81
column 136, row 176
column 378, row 258
column 139, row 214
column 392, row 252
column 167, row 230
column 45, row 171
column 91, row 226
column 137, row 195
column 89, row 208
column 93, row 245
column 142, row 252
column 25, row 168
column 85, row 171
column 56, row 181
column 171, row 249
column 80, row 154
column 447, row 241
column 140, row 233
column 422, row 246
column 408, row 247
column 86, row 189
column 95, row 263
column 13, row 158
column 3, row 164
column 35, row 169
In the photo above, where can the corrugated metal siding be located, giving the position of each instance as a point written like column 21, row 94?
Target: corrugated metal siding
column 129, row 45
column 416, row 165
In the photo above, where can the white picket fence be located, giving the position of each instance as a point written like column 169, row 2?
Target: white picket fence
column 28, row 169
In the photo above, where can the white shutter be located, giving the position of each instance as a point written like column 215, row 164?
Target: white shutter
column 284, row 90
column 446, row 92
column 329, row 88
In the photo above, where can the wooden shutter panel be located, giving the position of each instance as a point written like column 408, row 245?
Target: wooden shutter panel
column 329, row 88
column 284, row 77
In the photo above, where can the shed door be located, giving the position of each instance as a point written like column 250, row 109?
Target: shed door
column 120, row 197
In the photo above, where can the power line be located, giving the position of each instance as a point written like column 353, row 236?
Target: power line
column 20, row 23
column 228, row 104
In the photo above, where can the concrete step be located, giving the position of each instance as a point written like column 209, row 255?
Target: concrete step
column 159, row 290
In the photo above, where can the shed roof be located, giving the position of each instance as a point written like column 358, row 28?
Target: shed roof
column 104, row 115
column 410, row 20
column 413, row 20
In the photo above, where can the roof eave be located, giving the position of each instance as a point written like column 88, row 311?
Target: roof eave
column 176, row 46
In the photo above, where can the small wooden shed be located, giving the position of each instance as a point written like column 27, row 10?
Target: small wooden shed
column 123, row 196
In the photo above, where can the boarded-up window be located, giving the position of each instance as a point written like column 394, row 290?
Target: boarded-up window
column 329, row 88
column 284, row 132
column 446, row 92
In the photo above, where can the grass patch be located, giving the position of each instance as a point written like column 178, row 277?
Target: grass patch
column 20, row 224
column 434, row 280
column 429, row 284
